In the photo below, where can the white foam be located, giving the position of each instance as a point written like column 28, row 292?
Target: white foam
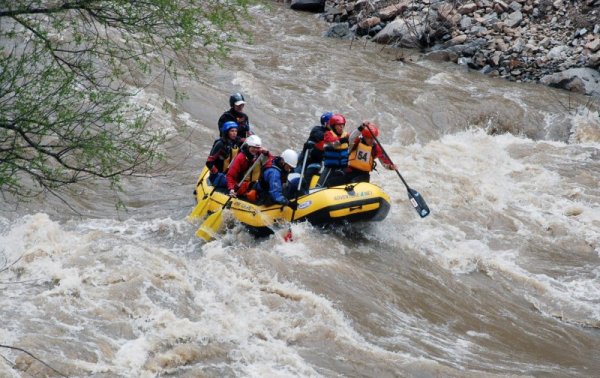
column 585, row 127
column 484, row 195
column 118, row 274
column 133, row 354
column 440, row 78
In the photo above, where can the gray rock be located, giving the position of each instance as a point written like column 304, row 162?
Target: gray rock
column 515, row 6
column 514, row 19
column 472, row 47
column 445, row 12
column 500, row 6
column 341, row 30
column 390, row 12
column 456, row 40
column 545, row 42
column 467, row 8
column 581, row 80
column 594, row 60
column 496, row 58
column 522, row 40
column 490, row 18
column 557, row 52
column 486, row 70
column 594, row 45
column 465, row 22
column 400, row 33
column 518, row 45
column 441, row 56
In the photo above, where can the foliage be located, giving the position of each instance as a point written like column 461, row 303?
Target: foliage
column 66, row 112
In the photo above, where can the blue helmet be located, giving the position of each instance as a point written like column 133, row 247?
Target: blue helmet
column 228, row 126
column 325, row 118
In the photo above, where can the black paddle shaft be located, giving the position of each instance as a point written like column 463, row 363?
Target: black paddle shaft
column 306, row 153
column 415, row 197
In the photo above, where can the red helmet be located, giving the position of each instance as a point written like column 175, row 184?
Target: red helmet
column 373, row 128
column 337, row 119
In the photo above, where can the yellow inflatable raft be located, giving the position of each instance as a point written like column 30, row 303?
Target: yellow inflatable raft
column 356, row 202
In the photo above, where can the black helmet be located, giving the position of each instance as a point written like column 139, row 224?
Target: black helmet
column 236, row 99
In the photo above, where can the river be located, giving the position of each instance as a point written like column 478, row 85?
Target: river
column 502, row 279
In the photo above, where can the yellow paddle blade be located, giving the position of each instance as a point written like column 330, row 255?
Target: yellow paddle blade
column 200, row 210
column 196, row 211
column 211, row 226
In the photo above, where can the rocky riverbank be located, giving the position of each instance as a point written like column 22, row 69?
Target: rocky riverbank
column 556, row 43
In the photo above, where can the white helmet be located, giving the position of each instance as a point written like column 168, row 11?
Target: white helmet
column 253, row 141
column 290, row 157
column 293, row 176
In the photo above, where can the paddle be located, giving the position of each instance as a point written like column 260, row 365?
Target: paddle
column 202, row 206
column 415, row 197
column 288, row 236
column 211, row 225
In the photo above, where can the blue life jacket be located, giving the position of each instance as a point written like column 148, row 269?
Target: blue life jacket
column 336, row 157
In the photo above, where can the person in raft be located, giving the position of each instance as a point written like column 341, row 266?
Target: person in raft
column 236, row 114
column 273, row 185
column 250, row 151
column 363, row 152
column 223, row 151
column 314, row 148
column 335, row 152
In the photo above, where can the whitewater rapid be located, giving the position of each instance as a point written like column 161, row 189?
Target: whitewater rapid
column 502, row 279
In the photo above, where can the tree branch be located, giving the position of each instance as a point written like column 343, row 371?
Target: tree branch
column 34, row 357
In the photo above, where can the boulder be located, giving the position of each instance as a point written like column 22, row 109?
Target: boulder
column 458, row 40
column 514, row 19
column 446, row 12
column 467, row 8
column 594, row 45
column 594, row 60
column 341, row 30
column 581, row 80
column 400, row 33
column 368, row 23
column 390, row 12
column 317, row 6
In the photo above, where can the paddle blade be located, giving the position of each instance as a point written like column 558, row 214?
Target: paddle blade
column 199, row 211
column 211, row 226
column 418, row 202
column 288, row 237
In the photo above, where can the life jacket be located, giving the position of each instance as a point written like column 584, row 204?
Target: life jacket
column 257, row 170
column 233, row 151
column 336, row 157
column 361, row 157
column 271, row 163
column 246, row 186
